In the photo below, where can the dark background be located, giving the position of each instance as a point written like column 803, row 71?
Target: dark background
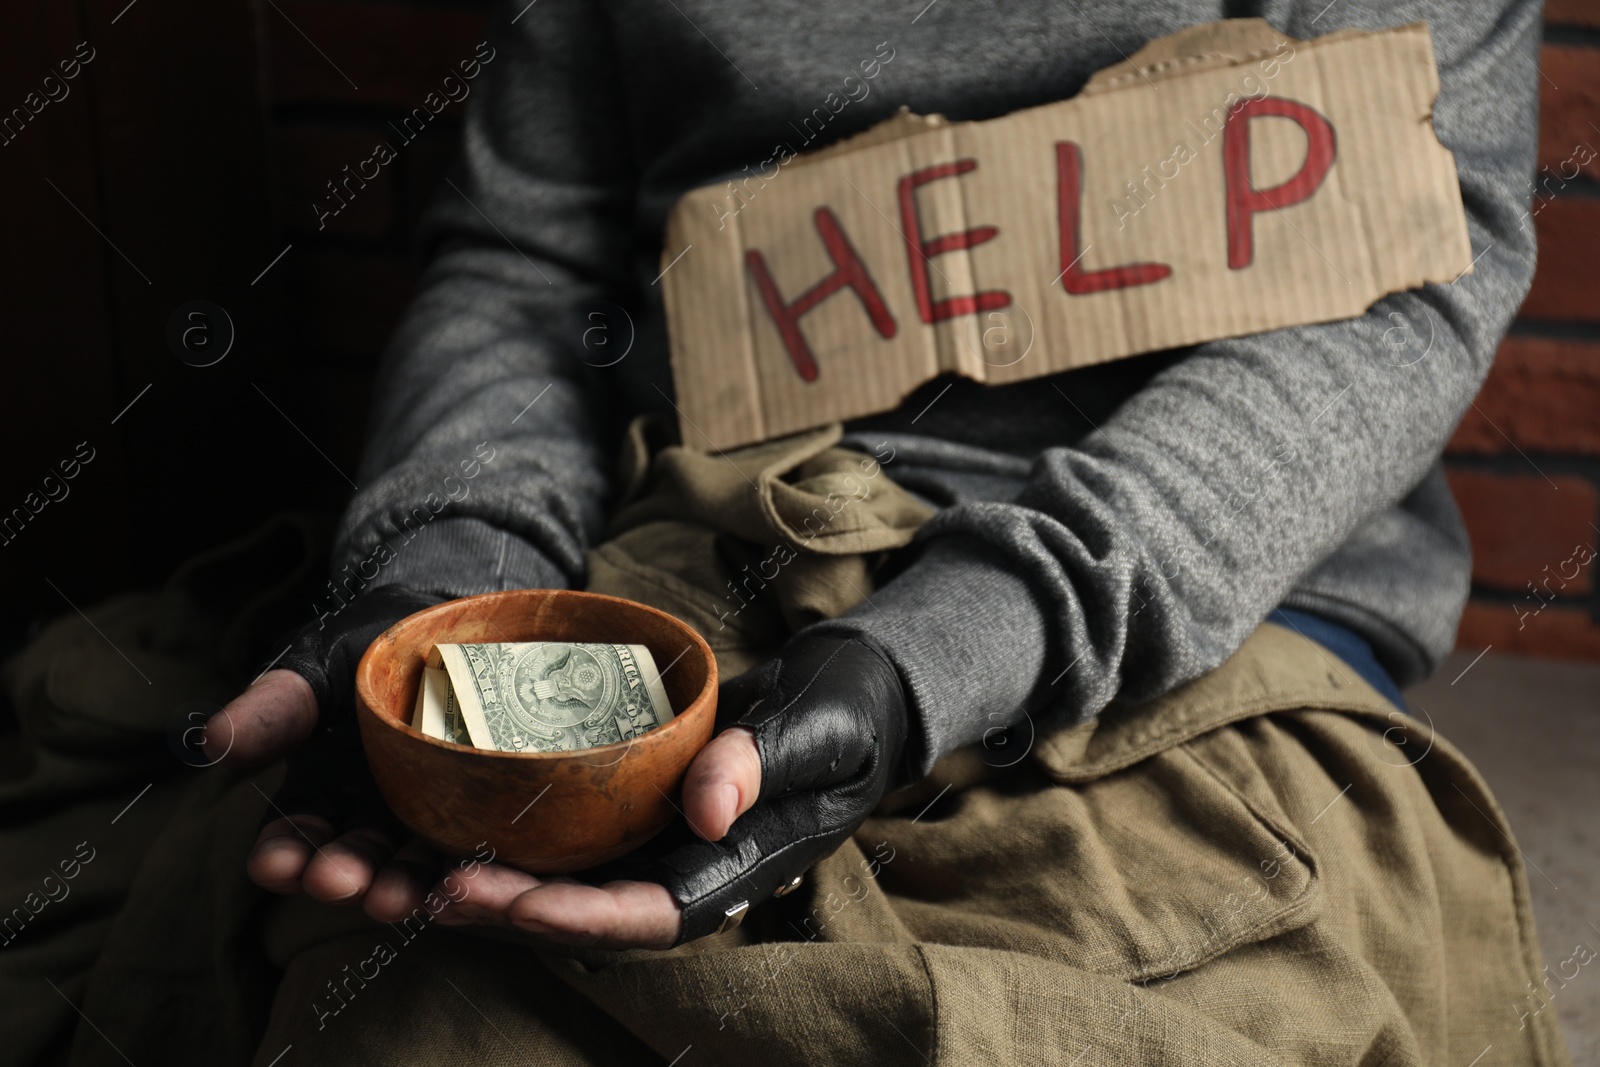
column 184, row 165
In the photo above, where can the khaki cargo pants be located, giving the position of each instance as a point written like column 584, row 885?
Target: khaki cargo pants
column 1270, row 865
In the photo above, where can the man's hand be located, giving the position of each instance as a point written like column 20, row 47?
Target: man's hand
column 815, row 740
column 330, row 833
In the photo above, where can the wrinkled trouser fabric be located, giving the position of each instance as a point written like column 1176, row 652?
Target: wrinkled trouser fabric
column 1270, row 865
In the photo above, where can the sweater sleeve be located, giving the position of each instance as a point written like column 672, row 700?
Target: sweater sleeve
column 486, row 464
column 1146, row 554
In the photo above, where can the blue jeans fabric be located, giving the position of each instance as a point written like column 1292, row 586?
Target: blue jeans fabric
column 1345, row 643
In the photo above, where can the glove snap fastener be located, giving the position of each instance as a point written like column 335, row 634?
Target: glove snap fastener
column 789, row 887
column 733, row 916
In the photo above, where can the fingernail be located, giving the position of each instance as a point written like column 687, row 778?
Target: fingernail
column 267, row 844
column 730, row 805
column 534, row 926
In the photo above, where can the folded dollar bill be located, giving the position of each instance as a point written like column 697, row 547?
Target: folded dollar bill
column 539, row 696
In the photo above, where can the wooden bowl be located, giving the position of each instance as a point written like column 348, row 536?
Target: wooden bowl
column 544, row 812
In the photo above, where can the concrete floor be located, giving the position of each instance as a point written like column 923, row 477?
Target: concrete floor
column 1533, row 729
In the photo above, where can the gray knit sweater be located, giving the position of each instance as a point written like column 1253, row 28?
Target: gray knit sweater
column 1104, row 534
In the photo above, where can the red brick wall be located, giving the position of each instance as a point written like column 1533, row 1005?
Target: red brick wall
column 1525, row 462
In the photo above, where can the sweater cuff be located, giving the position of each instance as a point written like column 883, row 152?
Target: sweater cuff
column 462, row 556
column 969, row 638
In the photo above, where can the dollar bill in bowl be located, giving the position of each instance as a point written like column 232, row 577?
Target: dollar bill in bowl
column 539, row 696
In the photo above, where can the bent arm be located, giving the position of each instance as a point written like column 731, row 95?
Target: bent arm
column 1146, row 554
column 486, row 463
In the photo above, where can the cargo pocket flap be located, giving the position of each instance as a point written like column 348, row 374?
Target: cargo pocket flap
column 1201, row 870
column 1138, row 876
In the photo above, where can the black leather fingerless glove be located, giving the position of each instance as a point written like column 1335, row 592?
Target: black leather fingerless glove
column 829, row 716
column 325, row 653
column 328, row 775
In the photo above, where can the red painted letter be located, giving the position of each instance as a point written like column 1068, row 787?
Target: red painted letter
column 850, row 272
column 920, row 249
column 1244, row 199
column 1074, row 279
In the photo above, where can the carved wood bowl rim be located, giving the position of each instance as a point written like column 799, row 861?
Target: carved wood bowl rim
column 367, row 668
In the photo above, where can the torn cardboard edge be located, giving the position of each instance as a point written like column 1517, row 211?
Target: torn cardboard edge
column 1223, row 181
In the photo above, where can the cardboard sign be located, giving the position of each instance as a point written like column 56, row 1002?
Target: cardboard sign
column 1224, row 181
